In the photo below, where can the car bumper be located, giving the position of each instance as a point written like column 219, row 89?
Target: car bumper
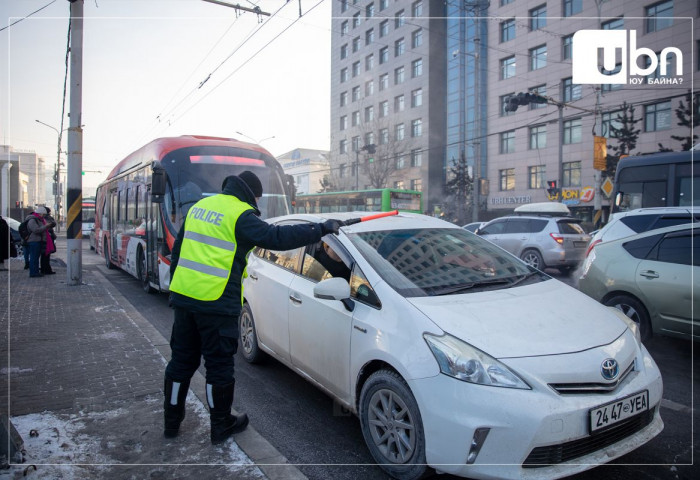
column 523, row 420
column 560, row 257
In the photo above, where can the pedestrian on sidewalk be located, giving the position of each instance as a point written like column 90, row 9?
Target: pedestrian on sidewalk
column 207, row 266
column 37, row 227
column 45, row 261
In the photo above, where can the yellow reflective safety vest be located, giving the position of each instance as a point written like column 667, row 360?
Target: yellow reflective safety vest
column 208, row 247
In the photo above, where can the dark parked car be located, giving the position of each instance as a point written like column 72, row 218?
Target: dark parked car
column 14, row 234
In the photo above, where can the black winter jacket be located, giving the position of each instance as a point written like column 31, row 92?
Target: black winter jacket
column 250, row 232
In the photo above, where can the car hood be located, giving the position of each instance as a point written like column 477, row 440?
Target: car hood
column 547, row 318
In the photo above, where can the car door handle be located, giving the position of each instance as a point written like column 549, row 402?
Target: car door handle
column 295, row 299
column 253, row 276
column 649, row 274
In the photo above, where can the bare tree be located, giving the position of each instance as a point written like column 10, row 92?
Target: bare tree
column 381, row 165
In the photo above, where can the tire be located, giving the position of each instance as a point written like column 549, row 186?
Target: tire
column 565, row 271
column 142, row 272
column 533, row 258
column 249, row 338
column 635, row 310
column 392, row 426
column 108, row 262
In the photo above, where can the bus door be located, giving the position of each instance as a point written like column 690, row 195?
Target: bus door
column 154, row 238
column 113, row 222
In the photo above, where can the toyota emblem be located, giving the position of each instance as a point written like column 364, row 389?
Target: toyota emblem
column 609, row 369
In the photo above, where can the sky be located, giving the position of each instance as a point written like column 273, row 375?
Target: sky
column 143, row 63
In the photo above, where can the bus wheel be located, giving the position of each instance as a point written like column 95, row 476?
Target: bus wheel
column 143, row 273
column 108, row 262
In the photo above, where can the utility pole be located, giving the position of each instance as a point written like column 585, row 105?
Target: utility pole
column 74, row 195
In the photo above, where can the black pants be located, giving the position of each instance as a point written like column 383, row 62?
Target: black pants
column 45, row 262
column 196, row 335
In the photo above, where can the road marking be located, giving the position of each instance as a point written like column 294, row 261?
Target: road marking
column 678, row 407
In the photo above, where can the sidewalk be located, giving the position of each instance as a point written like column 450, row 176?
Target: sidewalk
column 82, row 379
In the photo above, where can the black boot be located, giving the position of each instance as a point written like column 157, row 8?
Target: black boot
column 223, row 424
column 174, row 405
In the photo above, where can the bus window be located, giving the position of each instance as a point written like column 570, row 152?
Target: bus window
column 687, row 186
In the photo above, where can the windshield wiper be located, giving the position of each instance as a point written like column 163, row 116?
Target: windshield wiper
column 463, row 287
column 523, row 277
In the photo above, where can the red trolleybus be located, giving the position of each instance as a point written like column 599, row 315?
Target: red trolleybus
column 144, row 200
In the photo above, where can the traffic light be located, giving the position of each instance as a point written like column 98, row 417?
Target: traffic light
column 552, row 189
column 514, row 101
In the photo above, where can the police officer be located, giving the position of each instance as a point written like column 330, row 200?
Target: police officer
column 208, row 262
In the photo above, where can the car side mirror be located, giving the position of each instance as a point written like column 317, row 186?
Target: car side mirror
column 618, row 198
column 332, row 289
column 158, row 184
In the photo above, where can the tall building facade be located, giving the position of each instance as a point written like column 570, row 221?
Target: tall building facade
column 388, row 96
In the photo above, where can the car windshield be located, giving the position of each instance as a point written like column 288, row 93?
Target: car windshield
column 430, row 262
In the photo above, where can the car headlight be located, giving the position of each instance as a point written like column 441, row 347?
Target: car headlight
column 464, row 362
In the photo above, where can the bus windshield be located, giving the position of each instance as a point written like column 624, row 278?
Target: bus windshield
column 197, row 172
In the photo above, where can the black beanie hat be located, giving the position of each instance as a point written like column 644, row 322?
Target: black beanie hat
column 253, row 182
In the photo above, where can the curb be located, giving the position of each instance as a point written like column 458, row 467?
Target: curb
column 266, row 457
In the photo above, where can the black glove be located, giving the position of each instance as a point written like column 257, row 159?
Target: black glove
column 331, row 226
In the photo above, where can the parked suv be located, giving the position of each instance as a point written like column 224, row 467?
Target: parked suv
column 540, row 239
column 625, row 224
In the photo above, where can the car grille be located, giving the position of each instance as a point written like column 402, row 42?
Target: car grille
column 575, row 388
column 554, row 454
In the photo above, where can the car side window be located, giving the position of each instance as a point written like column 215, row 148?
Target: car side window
column 537, row 226
column 493, row 228
column 518, row 225
column 287, row 259
column 641, row 247
column 670, row 221
column 361, row 290
column 675, row 248
column 639, row 223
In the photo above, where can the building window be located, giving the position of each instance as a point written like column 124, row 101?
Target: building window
column 538, row 137
column 610, row 121
column 344, row 28
column 566, row 43
column 355, row 69
column 659, row 16
column 344, row 52
column 400, row 132
column 369, row 138
column 572, row 7
column 399, row 184
column 417, row 184
column 369, row 36
column 657, row 116
column 384, row 28
column 399, row 76
column 369, row 62
column 355, row 93
column 506, row 179
column 540, row 90
column 399, row 47
column 615, row 24
column 399, row 104
column 355, row 118
column 417, row 9
column 571, row 91
column 538, row 17
column 343, row 146
column 383, row 109
column 343, row 5
column 417, row 38
column 572, row 131
column 342, row 170
column 369, row 88
column 383, row 82
column 369, row 10
column 504, row 102
column 505, row 2
column 343, row 75
column 417, row 68
column 356, row 144
column 356, row 20
column 507, row 30
column 535, row 177
column 401, row 161
column 609, row 87
column 508, row 141
column 355, row 44
column 417, row 98
column 383, row 136
column 383, row 4
column 538, row 57
column 507, row 67
column 343, row 122
column 369, row 113
column 399, row 19
column 571, row 174
column 416, row 127
column 383, row 55
column 416, row 157
column 343, row 98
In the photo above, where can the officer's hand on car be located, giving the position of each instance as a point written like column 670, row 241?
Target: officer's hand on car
column 331, row 226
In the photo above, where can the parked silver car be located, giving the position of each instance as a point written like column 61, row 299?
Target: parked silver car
column 649, row 276
column 541, row 240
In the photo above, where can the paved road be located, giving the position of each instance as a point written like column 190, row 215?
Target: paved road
column 310, row 430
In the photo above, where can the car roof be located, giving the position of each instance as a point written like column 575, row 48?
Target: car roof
column 656, row 210
column 658, row 231
column 402, row 221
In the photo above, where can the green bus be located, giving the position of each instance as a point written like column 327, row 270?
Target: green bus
column 374, row 200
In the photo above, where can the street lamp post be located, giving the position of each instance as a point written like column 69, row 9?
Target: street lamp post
column 56, row 175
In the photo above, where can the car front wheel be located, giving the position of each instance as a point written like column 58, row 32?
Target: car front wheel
column 249, row 337
column 634, row 309
column 392, row 426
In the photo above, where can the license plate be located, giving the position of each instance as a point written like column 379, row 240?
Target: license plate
column 617, row 411
column 580, row 244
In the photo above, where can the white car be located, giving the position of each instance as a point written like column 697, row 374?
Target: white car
column 454, row 354
column 632, row 222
